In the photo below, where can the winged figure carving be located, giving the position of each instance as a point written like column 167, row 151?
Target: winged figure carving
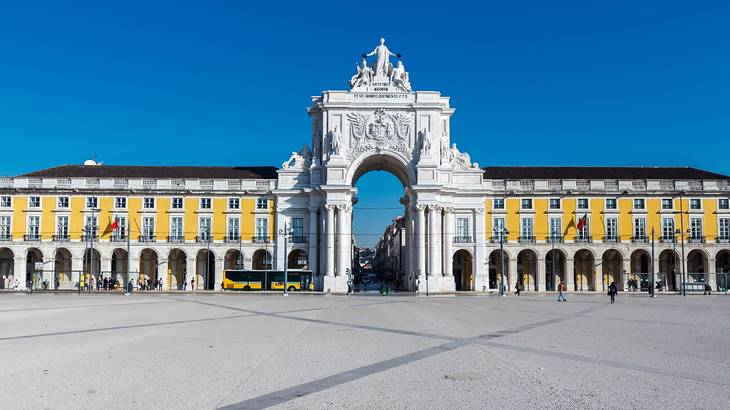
column 358, row 122
column 402, row 124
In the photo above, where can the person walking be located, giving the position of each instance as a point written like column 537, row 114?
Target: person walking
column 612, row 291
column 561, row 289
column 517, row 289
column 192, row 284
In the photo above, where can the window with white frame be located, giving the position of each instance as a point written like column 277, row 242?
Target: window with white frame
column 582, row 203
column 498, row 203
column 554, row 203
column 723, row 232
column 177, row 203
column 62, row 226
column 667, row 203
column 6, row 201
column 640, row 228
column 120, row 232
column 723, row 203
column 205, row 203
column 526, row 203
column 34, row 202
column 234, row 203
column 5, row 227
column 62, row 202
column 556, row 228
column 262, row 203
column 91, row 226
column 34, row 227
column 611, row 203
column 667, row 229
column 695, row 203
column 176, row 228
column 205, row 224
column 148, row 202
column 120, row 202
column 497, row 228
column 526, row 229
column 92, row 202
column 462, row 230
column 148, row 227
column 233, row 230
column 639, row 203
column 695, row 228
column 262, row 229
column 584, row 233
column 611, row 228
column 297, row 225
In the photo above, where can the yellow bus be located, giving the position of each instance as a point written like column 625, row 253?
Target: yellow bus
column 248, row 280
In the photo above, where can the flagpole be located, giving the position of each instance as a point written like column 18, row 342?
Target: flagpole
column 129, row 249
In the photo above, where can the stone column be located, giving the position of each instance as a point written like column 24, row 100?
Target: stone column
column 711, row 270
column 106, row 267
column 434, row 239
column 421, row 237
column 598, row 278
column 569, row 274
column 343, row 241
column 190, row 267
column 481, row 270
column 540, row 274
column 19, row 272
column 625, row 273
column 330, row 240
column 512, row 275
column 448, row 238
column 312, row 238
column 407, row 259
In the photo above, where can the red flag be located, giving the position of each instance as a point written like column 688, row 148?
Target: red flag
column 582, row 222
column 114, row 224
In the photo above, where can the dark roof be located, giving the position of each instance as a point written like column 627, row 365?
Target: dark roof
column 599, row 173
column 173, row 172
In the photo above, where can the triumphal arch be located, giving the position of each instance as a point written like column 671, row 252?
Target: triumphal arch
column 381, row 123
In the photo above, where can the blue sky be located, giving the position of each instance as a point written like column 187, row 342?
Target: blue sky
column 227, row 83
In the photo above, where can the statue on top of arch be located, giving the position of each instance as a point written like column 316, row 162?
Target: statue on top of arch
column 381, row 70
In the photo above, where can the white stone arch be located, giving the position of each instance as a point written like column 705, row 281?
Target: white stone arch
column 382, row 159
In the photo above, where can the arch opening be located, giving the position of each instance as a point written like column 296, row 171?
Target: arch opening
column 584, row 266
column 527, row 270
column 463, row 270
column 495, row 270
column 612, row 268
column 62, row 276
column 7, row 265
column 554, row 269
column 176, row 269
column 205, row 270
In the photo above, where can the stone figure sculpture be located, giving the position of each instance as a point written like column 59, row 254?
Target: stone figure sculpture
column 298, row 160
column 382, row 64
column 399, row 77
column 425, row 137
column 364, row 75
column 335, row 139
column 460, row 159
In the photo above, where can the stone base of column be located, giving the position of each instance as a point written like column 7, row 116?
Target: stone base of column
column 481, row 283
column 436, row 284
column 335, row 284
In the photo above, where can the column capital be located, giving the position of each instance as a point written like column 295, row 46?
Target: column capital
column 344, row 207
column 479, row 211
column 330, row 207
column 421, row 207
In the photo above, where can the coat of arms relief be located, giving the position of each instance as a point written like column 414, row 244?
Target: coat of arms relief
column 380, row 130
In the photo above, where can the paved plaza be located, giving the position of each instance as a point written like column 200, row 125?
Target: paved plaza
column 208, row 351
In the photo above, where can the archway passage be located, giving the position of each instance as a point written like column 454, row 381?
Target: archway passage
column 233, row 260
column 697, row 268
column 120, row 272
column 62, row 276
column 527, row 270
column 148, row 266
column 205, row 263
column 176, row 269
column 584, row 265
column 668, row 270
column 297, row 259
column 722, row 267
column 463, row 270
column 554, row 269
column 640, row 270
column 34, row 268
column 261, row 260
column 495, row 270
column 612, row 262
column 7, row 264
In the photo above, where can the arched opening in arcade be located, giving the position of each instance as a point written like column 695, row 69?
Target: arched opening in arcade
column 176, row 269
column 62, row 275
column 668, row 270
column 261, row 260
column 205, row 270
column 463, row 270
column 527, row 270
column 120, row 272
column 612, row 268
column 584, row 267
column 722, row 267
column 496, row 272
column 380, row 229
column 697, row 266
column 640, row 270
column 297, row 259
column 34, row 268
column 148, row 267
column 233, row 260
column 7, row 264
column 91, row 266
column 554, row 269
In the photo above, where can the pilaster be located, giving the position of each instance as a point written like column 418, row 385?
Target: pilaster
column 541, row 280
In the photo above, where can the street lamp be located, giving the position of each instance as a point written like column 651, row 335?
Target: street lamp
column 286, row 232
column 651, row 285
column 502, row 233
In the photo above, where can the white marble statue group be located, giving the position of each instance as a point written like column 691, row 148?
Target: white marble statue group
column 381, row 69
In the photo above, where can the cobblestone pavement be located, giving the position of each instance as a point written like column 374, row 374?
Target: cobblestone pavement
column 312, row 351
